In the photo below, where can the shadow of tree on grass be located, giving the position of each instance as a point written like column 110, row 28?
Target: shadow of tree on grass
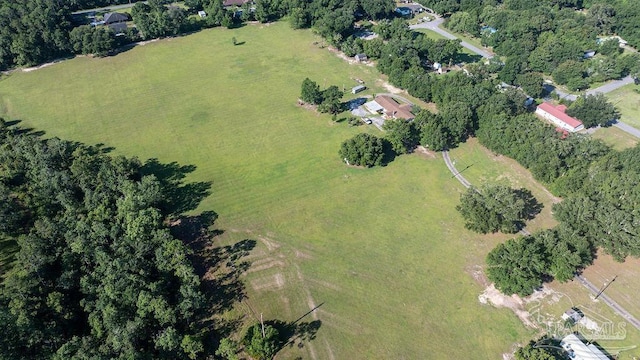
column 178, row 196
column 295, row 333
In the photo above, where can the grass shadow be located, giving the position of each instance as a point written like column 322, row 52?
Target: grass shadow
column 462, row 57
column 389, row 154
column 295, row 333
column 219, row 269
column 178, row 196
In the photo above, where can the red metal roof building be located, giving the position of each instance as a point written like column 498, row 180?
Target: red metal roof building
column 557, row 115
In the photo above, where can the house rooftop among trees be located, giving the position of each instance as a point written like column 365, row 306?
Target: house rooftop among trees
column 390, row 107
column 114, row 17
column 557, row 115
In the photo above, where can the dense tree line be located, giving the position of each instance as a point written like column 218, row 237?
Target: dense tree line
column 98, row 274
column 154, row 19
column 551, row 37
column 36, row 31
column 593, row 110
column 92, row 4
column 32, row 32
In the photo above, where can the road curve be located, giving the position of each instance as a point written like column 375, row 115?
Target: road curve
column 607, row 300
column 435, row 26
column 452, row 168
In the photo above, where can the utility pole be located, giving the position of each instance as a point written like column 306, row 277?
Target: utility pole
column 262, row 323
column 605, row 288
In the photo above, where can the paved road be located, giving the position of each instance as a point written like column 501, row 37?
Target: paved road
column 606, row 88
column 627, row 128
column 610, row 86
column 612, row 304
column 435, row 26
column 452, row 168
column 106, row 8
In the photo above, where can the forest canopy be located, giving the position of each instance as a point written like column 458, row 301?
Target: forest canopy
column 98, row 273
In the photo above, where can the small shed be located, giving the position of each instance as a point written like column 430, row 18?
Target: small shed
column 403, row 11
column 588, row 54
column 361, row 57
column 572, row 314
column 202, row 14
column 114, row 17
column 529, row 102
column 358, row 88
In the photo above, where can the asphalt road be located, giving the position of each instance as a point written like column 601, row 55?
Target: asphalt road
column 435, row 26
column 106, row 8
column 454, row 171
column 627, row 128
column 607, row 300
column 608, row 87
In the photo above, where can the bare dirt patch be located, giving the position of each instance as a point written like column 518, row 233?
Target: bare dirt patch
column 265, row 266
column 426, row 153
column 328, row 285
column 494, row 297
column 478, row 275
column 390, row 88
column 303, row 255
column 270, row 244
column 341, row 55
column 29, row 69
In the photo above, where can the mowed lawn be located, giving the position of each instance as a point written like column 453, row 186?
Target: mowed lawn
column 627, row 100
column 482, row 167
column 615, row 138
column 382, row 251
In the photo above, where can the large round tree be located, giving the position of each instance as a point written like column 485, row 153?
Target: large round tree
column 364, row 150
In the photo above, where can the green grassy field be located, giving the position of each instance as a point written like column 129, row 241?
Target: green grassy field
column 615, row 137
column 383, row 250
column 627, row 100
column 485, row 167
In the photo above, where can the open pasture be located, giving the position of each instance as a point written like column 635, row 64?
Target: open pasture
column 382, row 251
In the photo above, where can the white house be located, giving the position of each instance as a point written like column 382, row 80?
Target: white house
column 557, row 116
column 578, row 350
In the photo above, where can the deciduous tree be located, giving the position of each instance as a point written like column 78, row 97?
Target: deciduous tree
column 363, row 150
